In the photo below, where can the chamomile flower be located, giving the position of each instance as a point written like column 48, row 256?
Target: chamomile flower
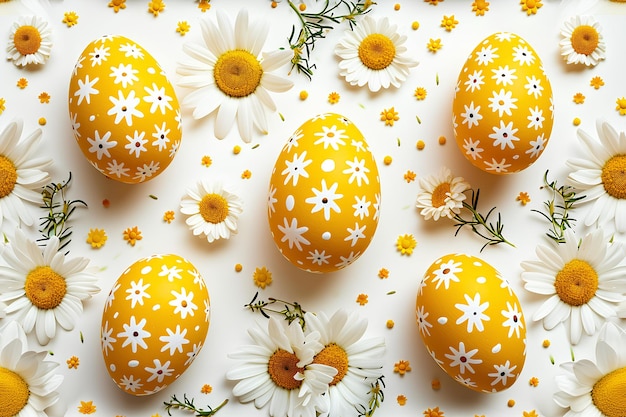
column 373, row 53
column 230, row 75
column 599, row 176
column 29, row 41
column 582, row 41
column 44, row 289
column 591, row 388
column 29, row 382
column 441, row 195
column 583, row 282
column 213, row 210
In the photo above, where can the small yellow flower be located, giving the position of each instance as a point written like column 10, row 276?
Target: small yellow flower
column 383, row 273
column 117, row 5
column 168, row 216
column 402, row 367
column 204, row 5
column 530, row 6
column 206, row 389
column 433, row 412
column 479, row 7
column 387, row 160
column 531, row 413
column 207, row 161
column 72, row 362
column 303, row 95
column 389, row 116
column 246, row 174
column 22, row 83
column 449, row 22
column 132, row 235
column 420, row 93
column 96, row 238
column 523, row 198
column 534, row 381
column 2, row 105
column 420, row 145
column 409, row 176
column 86, row 407
column 44, row 98
column 262, row 277
column 390, row 324
column 333, row 97
column 182, row 27
column 621, row 106
column 435, row 384
column 70, row 19
column 238, row 267
column 362, row 299
column 406, row 244
column 236, row 149
column 155, row 7
column 579, row 98
column 596, row 82
column 433, row 2
column 401, row 399
column 434, row 45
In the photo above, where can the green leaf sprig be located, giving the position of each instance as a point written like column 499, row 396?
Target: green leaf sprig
column 377, row 396
column 480, row 224
column 558, row 208
column 188, row 405
column 291, row 311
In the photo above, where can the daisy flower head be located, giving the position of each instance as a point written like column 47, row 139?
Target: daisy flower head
column 22, row 174
column 29, row 382
column 591, row 388
column 441, row 195
column 583, row 282
column 374, row 54
column 44, row 289
column 229, row 74
column 582, row 41
column 278, row 369
column 600, row 176
column 29, row 41
column 212, row 209
column 358, row 360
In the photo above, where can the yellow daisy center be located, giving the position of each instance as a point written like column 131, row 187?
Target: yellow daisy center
column 377, row 51
column 282, row 368
column 614, row 176
column 440, row 194
column 27, row 40
column 14, row 393
column 213, row 208
column 406, row 242
column 607, row 393
column 531, row 4
column 585, row 39
column 334, row 355
column 576, row 283
column 45, row 288
column 237, row 73
column 8, row 176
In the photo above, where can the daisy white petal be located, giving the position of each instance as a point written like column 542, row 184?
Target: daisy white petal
column 29, row 41
column 441, row 195
column 582, row 41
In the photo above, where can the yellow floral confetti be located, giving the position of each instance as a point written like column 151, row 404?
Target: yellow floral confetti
column 42, row 121
column 406, row 244
column 576, row 121
column 433, row 2
column 579, row 98
column 420, row 93
column 442, row 140
column 2, row 105
column 44, row 98
column 434, row 45
column 362, row 299
column 70, row 19
column 435, row 384
column 303, row 95
column 106, row 203
column 117, row 5
column 206, row 389
column 479, row 7
column 390, row 324
column 510, row 403
column 86, row 407
column 333, row 97
column 596, row 82
column 262, row 277
column 402, row 367
column 523, row 198
column 236, row 149
column 73, row 362
column 132, row 235
column 168, row 216
column 433, row 412
column 22, row 83
column 409, row 176
column 531, row 6
column 182, row 27
column 420, row 145
column 302, row 7
column 204, row 5
column 383, row 273
column 415, row 25
column 207, row 161
column 396, row 7
column 387, row 160
column 545, row 343
column 246, row 174
column 274, row 5
column 96, row 238
column 621, row 106
column 155, row 7
column 238, row 267
column 531, row 413
column 449, row 22
column 534, row 381
column 401, row 399
column 389, row 116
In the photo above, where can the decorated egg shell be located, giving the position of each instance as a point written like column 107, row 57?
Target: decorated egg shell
column 471, row 323
column 502, row 108
column 154, row 323
column 124, row 112
column 324, row 196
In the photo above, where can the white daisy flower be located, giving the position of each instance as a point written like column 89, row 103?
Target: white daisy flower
column 229, row 74
column 278, row 370
column 213, row 210
column 29, row 41
column 599, row 176
column 591, row 388
column 583, row 282
column 441, row 195
column 29, row 382
column 22, row 174
column 582, row 41
column 373, row 53
column 358, row 361
column 44, row 289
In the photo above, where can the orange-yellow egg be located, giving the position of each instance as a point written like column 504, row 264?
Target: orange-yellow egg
column 154, row 323
column 502, row 108
column 471, row 323
column 324, row 197
column 124, row 112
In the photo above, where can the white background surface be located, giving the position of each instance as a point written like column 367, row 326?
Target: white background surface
column 253, row 246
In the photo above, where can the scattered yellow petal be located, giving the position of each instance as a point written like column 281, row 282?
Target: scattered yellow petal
column 383, row 273
column 621, row 106
column 531, row 6
column 531, row 413
column 390, row 324
column 117, row 5
column 274, row 5
column 238, row 267
column 396, row 7
column 362, row 299
column 262, row 277
column 534, row 381
column 42, row 121
column 2, row 105
column 545, row 343
column 86, row 407
column 405, row 244
column 303, row 95
column 479, row 7
column 523, row 198
column 182, row 27
column 387, row 160
column 510, row 403
column 434, row 45
column 596, row 82
column 168, row 216
column 401, row 399
column 449, row 22
column 442, row 140
column 246, row 174
column 302, row 7
column 433, row 412
column 435, row 384
column 22, row 83
column 576, row 121
column 402, row 367
column 96, row 238
column 420, row 145
column 155, row 7
column 132, row 235
column 409, row 176
column 206, row 389
column 44, row 98
column 579, row 98
column 236, row 149
column 106, row 203
column 70, row 19
column 72, row 362
column 433, row 2
column 389, row 116
column 333, row 97
column 415, row 25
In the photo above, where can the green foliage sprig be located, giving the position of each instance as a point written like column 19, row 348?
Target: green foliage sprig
column 377, row 396
column 59, row 210
column 314, row 26
column 557, row 208
column 480, row 224
column 291, row 311
column 188, row 405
